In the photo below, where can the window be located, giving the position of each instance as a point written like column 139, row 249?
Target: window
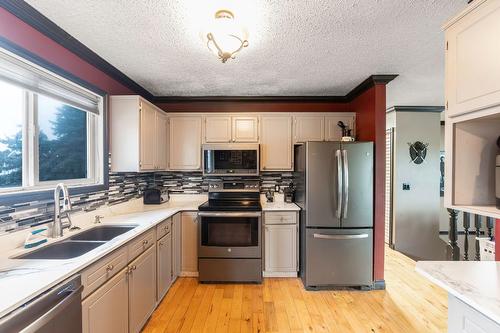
column 51, row 130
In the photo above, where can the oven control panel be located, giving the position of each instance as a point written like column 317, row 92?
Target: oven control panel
column 234, row 186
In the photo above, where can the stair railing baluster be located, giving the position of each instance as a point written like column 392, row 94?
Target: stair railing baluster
column 477, row 226
column 466, row 225
column 453, row 235
column 489, row 226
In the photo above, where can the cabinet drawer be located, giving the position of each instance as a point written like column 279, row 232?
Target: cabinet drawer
column 280, row 218
column 98, row 273
column 163, row 228
column 141, row 244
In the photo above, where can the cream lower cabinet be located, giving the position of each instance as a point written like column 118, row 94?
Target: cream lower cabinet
column 189, row 252
column 280, row 244
column 164, row 265
column 276, row 143
column 176, row 245
column 142, row 289
column 184, row 143
column 106, row 310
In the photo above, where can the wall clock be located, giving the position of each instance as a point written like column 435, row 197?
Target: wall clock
column 418, row 151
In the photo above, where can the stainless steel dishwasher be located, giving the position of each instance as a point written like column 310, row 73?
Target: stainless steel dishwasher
column 57, row 310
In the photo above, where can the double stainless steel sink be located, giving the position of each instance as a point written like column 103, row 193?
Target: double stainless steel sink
column 78, row 244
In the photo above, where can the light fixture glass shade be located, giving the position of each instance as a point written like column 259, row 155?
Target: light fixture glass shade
column 225, row 37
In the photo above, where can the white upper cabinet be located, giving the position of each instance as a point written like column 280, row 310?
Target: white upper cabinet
column 332, row 131
column 220, row 128
column 148, row 136
column 309, row 128
column 246, row 129
column 473, row 59
column 322, row 127
column 161, row 157
column 138, row 139
column 276, row 143
column 185, row 143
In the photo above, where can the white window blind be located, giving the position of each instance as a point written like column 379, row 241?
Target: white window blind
column 32, row 77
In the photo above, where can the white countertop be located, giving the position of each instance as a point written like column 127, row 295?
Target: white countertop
column 23, row 279
column 476, row 283
column 278, row 204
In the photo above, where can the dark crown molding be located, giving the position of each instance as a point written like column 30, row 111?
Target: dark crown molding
column 415, row 108
column 34, row 18
column 358, row 90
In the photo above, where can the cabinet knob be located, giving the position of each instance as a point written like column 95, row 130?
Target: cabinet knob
column 145, row 242
column 134, row 267
column 110, row 268
column 160, row 243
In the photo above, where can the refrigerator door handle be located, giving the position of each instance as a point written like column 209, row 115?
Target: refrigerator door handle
column 345, row 200
column 340, row 237
column 339, row 183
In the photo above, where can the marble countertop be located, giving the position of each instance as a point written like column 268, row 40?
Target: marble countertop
column 278, row 204
column 23, row 279
column 476, row 283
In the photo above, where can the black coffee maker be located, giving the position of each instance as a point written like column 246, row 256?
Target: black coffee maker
column 289, row 193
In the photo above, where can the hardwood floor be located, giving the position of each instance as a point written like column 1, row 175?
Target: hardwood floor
column 409, row 304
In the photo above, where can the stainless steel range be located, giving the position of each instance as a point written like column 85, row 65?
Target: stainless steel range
column 229, row 233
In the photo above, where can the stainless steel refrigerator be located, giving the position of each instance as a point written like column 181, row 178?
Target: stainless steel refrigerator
column 335, row 191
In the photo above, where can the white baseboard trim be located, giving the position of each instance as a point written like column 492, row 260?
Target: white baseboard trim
column 279, row 274
column 189, row 274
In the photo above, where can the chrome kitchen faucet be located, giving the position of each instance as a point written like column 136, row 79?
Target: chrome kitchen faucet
column 58, row 227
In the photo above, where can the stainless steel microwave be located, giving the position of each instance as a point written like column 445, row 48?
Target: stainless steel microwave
column 231, row 159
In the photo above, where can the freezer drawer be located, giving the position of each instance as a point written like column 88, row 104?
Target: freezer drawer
column 338, row 257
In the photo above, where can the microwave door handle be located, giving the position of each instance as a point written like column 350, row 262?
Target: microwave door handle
column 345, row 183
column 339, row 184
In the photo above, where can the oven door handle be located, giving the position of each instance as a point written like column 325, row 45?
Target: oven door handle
column 229, row 214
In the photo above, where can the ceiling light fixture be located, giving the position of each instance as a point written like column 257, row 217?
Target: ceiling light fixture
column 226, row 37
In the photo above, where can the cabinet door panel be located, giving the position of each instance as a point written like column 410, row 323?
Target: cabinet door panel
column 281, row 248
column 176, row 245
column 472, row 64
column 189, row 265
column 164, row 265
column 185, row 143
column 333, row 131
column 309, row 128
column 106, row 310
column 142, row 289
column 147, row 133
column 161, row 141
column 276, row 144
column 245, row 129
column 217, row 129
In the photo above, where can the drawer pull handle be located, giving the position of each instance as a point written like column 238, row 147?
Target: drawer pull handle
column 110, row 268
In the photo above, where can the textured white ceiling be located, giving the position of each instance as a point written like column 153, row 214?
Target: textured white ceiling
column 297, row 47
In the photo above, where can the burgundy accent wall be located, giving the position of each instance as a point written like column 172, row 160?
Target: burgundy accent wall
column 230, row 106
column 370, row 109
column 27, row 37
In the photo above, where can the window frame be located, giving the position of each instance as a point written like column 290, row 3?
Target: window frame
column 97, row 156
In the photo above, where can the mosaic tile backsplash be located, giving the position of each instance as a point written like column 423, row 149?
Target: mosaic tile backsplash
column 122, row 187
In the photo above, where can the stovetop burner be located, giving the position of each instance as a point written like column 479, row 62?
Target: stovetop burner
column 231, row 205
column 233, row 196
